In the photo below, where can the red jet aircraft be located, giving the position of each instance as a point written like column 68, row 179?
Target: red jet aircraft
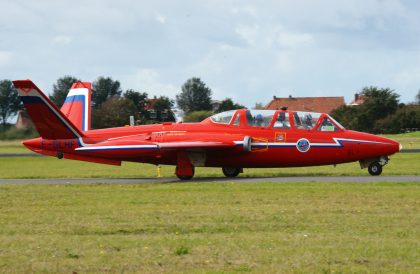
column 232, row 140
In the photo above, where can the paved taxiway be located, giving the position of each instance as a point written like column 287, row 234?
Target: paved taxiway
column 300, row 179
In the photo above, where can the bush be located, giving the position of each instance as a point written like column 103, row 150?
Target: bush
column 197, row 116
column 14, row 133
column 406, row 117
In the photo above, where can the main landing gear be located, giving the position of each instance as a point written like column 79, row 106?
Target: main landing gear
column 186, row 175
column 184, row 169
column 231, row 171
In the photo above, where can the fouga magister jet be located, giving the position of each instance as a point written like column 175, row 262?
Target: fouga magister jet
column 232, row 140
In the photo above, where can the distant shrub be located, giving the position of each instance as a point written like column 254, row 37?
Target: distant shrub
column 197, row 116
column 406, row 117
column 13, row 133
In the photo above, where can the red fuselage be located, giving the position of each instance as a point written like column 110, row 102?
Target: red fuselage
column 216, row 144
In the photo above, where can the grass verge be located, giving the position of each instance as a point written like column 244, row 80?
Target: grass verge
column 209, row 228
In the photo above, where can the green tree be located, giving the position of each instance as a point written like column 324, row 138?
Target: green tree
column 103, row 89
column 378, row 103
column 197, row 116
column 139, row 99
column 61, row 89
column 228, row 104
column 418, row 98
column 163, row 107
column 405, row 118
column 194, row 96
column 10, row 103
column 347, row 116
column 114, row 112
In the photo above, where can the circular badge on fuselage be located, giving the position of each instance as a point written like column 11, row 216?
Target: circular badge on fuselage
column 303, row 145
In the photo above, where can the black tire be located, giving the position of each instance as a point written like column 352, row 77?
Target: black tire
column 375, row 169
column 183, row 177
column 231, row 171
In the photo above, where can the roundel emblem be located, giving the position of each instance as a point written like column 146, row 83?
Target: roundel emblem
column 303, row 145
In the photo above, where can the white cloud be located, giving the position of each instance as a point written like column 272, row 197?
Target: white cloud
column 5, row 57
column 245, row 9
column 148, row 80
column 62, row 39
column 245, row 50
column 408, row 77
column 249, row 33
column 160, row 18
column 294, row 40
column 266, row 37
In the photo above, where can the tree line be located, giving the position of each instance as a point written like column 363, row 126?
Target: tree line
column 112, row 107
column 380, row 112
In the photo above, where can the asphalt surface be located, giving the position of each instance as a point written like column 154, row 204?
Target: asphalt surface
column 300, row 179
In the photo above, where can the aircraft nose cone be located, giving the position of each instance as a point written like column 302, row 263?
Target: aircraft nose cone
column 396, row 147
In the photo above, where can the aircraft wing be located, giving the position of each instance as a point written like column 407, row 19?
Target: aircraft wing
column 196, row 144
column 153, row 143
column 198, row 140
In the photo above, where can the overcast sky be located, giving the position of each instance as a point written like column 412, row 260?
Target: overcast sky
column 246, row 50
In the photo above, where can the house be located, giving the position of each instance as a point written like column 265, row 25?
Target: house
column 358, row 100
column 215, row 105
column 23, row 120
column 315, row 104
column 158, row 113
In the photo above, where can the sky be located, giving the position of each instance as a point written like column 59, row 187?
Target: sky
column 245, row 50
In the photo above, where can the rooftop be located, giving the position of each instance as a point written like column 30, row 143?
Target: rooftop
column 315, row 104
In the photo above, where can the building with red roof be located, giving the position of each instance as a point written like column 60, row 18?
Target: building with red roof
column 314, row 104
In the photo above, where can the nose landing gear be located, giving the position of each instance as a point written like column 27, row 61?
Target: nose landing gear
column 374, row 165
column 375, row 169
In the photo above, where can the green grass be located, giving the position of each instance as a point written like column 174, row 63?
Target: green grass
column 210, row 228
column 408, row 140
column 404, row 135
column 50, row 167
column 11, row 147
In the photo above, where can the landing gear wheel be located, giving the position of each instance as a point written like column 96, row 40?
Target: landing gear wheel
column 184, row 177
column 231, row 171
column 375, row 169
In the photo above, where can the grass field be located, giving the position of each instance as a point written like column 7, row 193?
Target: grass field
column 408, row 140
column 210, row 228
column 207, row 227
column 10, row 147
column 50, row 167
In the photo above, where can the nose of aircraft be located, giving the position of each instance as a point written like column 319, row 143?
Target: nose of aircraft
column 391, row 145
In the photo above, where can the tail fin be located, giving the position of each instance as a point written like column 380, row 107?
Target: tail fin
column 76, row 107
column 47, row 118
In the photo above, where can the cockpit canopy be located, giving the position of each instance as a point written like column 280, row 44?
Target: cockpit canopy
column 281, row 119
